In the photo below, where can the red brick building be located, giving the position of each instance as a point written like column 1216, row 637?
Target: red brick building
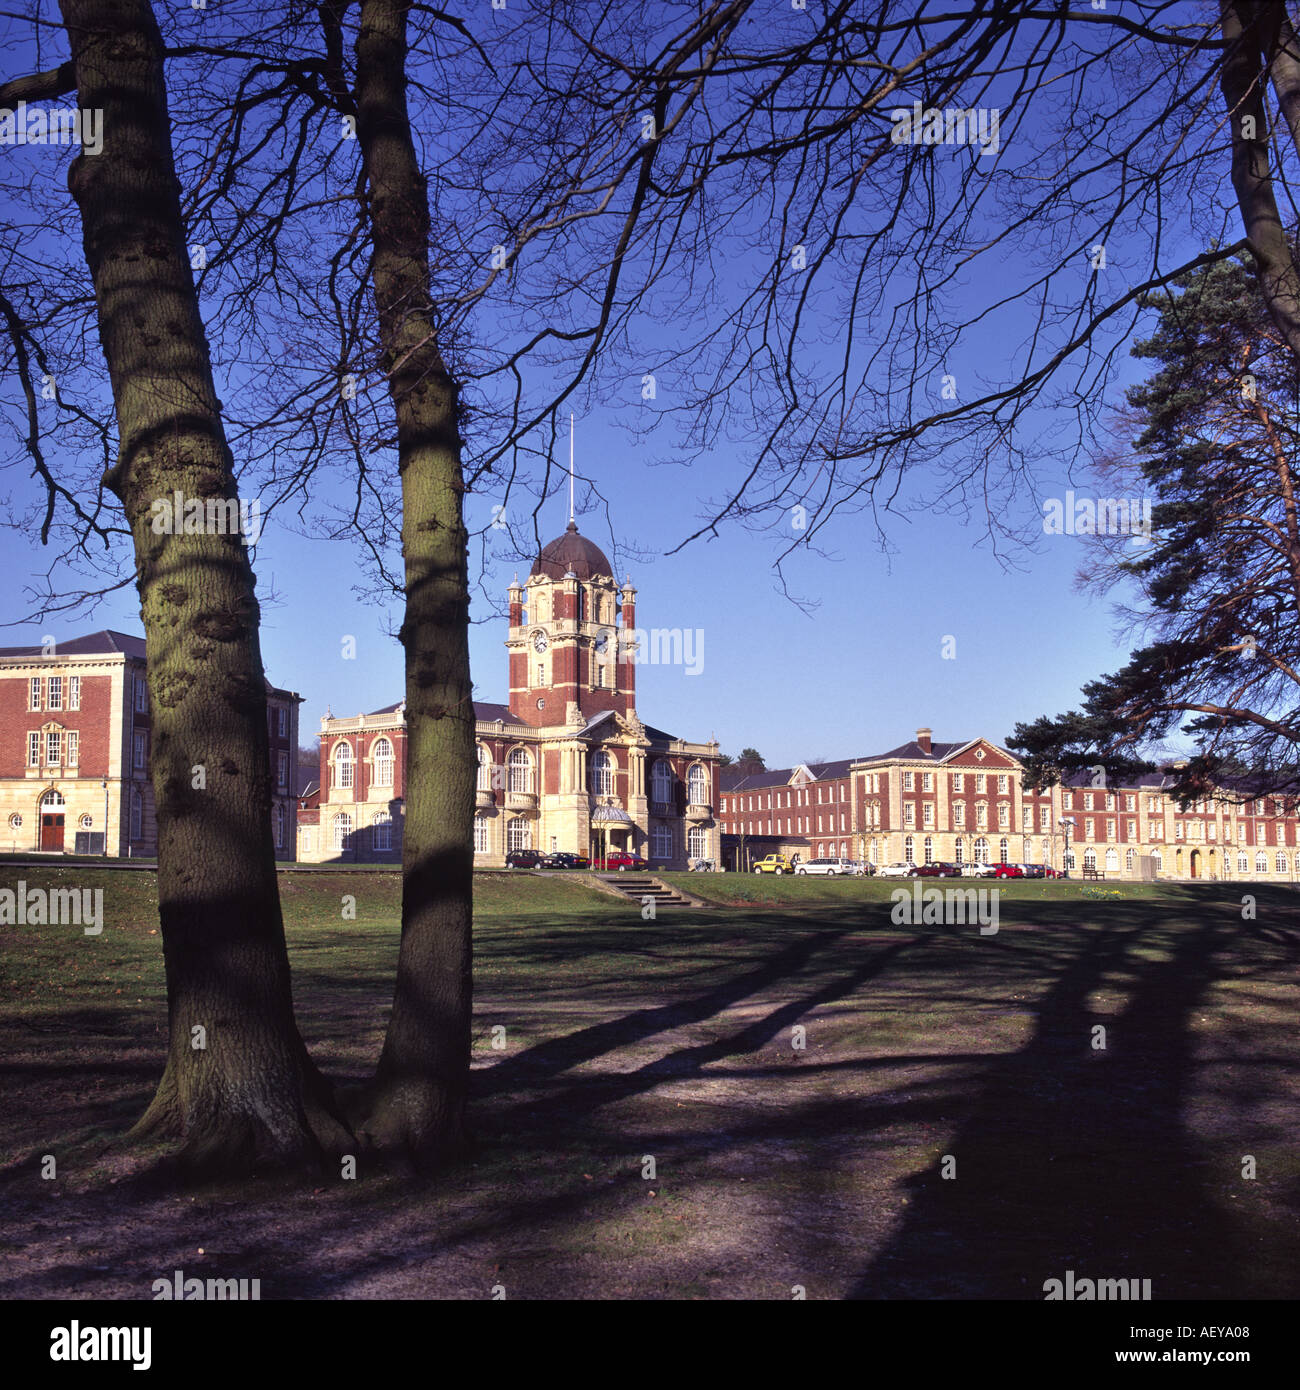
column 967, row 803
column 75, row 734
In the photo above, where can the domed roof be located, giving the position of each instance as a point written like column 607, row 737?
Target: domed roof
column 575, row 552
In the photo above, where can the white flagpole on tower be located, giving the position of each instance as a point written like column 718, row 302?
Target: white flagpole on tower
column 570, row 467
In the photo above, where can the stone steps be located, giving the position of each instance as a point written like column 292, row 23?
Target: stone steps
column 638, row 887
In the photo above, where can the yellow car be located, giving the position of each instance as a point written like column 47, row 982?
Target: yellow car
column 774, row 864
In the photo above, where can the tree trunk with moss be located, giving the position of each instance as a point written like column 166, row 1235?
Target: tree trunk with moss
column 239, row 1088
column 418, row 1102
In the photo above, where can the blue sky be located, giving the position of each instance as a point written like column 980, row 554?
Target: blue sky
column 857, row 674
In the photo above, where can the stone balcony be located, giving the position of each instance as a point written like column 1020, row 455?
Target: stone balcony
column 525, row 802
column 484, row 799
column 662, row 808
column 698, row 811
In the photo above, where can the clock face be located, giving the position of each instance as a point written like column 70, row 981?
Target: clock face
column 539, row 642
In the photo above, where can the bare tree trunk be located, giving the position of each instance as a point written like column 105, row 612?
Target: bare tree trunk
column 423, row 1073
column 238, row 1087
column 1259, row 43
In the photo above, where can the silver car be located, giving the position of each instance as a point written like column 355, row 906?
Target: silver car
column 828, row 867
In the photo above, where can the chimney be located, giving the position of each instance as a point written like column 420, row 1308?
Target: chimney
column 923, row 739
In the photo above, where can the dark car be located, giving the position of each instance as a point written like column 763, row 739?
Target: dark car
column 939, row 869
column 1034, row 870
column 1007, row 871
column 562, row 859
column 523, row 859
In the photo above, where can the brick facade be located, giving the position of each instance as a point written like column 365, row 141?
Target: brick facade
column 967, row 803
column 75, row 736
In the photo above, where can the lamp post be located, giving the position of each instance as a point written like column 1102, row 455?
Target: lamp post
column 106, row 818
column 1067, row 825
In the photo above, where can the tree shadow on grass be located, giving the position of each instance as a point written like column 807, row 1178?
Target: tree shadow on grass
column 1078, row 1158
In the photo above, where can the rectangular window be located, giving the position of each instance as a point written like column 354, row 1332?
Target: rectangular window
column 1087, row 828
column 909, row 813
column 909, row 781
column 1002, row 781
column 1110, row 828
column 1004, row 816
column 1087, row 801
column 74, row 747
column 137, row 816
column 1132, row 830
column 480, row 835
column 140, row 749
column 1178, row 830
column 959, row 781
column 927, row 781
column 981, row 781
column 1067, row 801
column 927, row 815
column 959, row 815
column 282, row 722
column 74, row 692
column 282, row 770
column 53, row 748
column 1130, row 801
column 34, row 693
column 141, row 696
column 54, row 692
column 33, row 750
column 1044, row 817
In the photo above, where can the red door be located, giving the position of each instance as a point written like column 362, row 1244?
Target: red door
column 52, row 830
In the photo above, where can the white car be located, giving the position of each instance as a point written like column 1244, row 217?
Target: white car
column 896, row 871
column 829, row 867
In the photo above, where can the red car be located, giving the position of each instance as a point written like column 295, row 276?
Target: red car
column 1008, row 871
column 619, row 860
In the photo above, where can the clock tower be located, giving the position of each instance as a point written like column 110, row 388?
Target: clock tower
column 571, row 639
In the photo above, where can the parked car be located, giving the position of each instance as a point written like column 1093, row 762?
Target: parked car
column 562, row 859
column 981, row 870
column 1034, row 870
column 523, row 859
column 861, row 868
column 703, row 866
column 897, row 871
column 774, row 864
column 621, row 861
column 828, row 867
column 1008, row 871
column 939, row 869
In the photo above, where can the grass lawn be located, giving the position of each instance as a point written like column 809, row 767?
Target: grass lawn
column 799, row 1069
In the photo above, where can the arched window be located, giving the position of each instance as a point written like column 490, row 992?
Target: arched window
column 519, row 834
column 480, row 834
column 929, row 849
column 520, row 769
column 697, row 842
column 382, row 753
column 1089, row 858
column 1157, row 859
column 908, row 851
column 601, row 774
column 1281, row 863
column 844, row 849
column 697, row 785
column 52, row 798
column 279, row 824
column 484, row 769
column 137, row 812
column 959, row 851
column 1243, row 862
column 343, row 764
column 342, row 830
column 381, row 831
column 873, row 852
column 981, row 850
column 1129, row 856
column 1112, row 859
column 661, row 842
column 661, row 781
column 1261, row 863
column 1003, row 850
